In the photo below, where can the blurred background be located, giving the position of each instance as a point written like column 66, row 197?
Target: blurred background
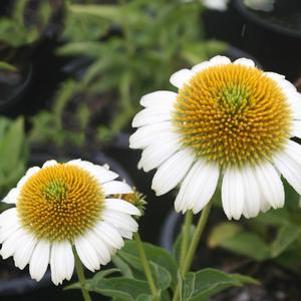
column 71, row 77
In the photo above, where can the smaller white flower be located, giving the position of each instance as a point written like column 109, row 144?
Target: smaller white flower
column 59, row 206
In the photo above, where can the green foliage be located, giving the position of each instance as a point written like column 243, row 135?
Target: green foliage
column 16, row 30
column 270, row 236
column 48, row 126
column 13, row 151
column 199, row 286
column 154, row 39
column 133, row 286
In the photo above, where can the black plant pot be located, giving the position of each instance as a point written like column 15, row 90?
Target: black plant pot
column 16, row 284
column 272, row 37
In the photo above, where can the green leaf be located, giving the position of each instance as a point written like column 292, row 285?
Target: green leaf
column 222, row 232
column 248, row 244
column 286, row 235
column 110, row 12
column 163, row 265
column 119, row 287
column 122, row 266
column 207, row 282
column 7, row 67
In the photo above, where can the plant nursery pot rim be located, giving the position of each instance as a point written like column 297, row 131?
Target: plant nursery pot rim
column 240, row 7
column 16, row 95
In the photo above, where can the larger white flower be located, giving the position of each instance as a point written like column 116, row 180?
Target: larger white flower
column 228, row 121
column 60, row 206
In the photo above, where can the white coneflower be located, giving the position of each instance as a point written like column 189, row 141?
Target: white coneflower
column 230, row 121
column 61, row 206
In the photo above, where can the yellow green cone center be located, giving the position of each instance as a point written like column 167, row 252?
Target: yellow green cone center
column 232, row 115
column 60, row 202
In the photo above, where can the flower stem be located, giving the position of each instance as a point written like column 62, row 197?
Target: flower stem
column 185, row 236
column 196, row 238
column 146, row 267
column 184, row 268
column 81, row 277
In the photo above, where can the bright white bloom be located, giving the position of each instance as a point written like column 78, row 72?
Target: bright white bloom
column 230, row 122
column 61, row 206
column 216, row 4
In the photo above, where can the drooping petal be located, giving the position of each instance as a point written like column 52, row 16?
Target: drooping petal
column 10, row 246
column 198, row 187
column 61, row 262
column 296, row 129
column 23, row 253
column 290, row 169
column 172, row 171
column 109, row 235
column 252, row 200
column 87, row 253
column 270, row 184
column 233, row 194
column 39, row 260
column 99, row 246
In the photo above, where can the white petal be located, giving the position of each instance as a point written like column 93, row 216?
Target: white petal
column 99, row 246
column 61, row 262
column 39, row 260
column 8, row 217
column 220, row 60
column 116, row 187
column 252, row 200
column 201, row 66
column 100, row 173
column 125, row 233
column 151, row 115
column 109, row 235
column 23, row 253
column 172, row 171
column 153, row 133
column 233, row 193
column 12, row 196
column 198, row 187
column 270, row 184
column 296, row 131
column 10, row 245
column 49, row 163
column 159, row 99
column 155, row 154
column 30, row 172
column 293, row 150
column 120, row 220
column 180, row 78
column 290, row 169
column 203, row 187
column 245, row 62
column 87, row 253
column 122, row 206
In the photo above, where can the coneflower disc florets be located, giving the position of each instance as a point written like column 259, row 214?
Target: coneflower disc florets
column 60, row 202
column 232, row 114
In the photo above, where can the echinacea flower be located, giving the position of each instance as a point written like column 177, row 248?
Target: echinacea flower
column 229, row 121
column 61, row 206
